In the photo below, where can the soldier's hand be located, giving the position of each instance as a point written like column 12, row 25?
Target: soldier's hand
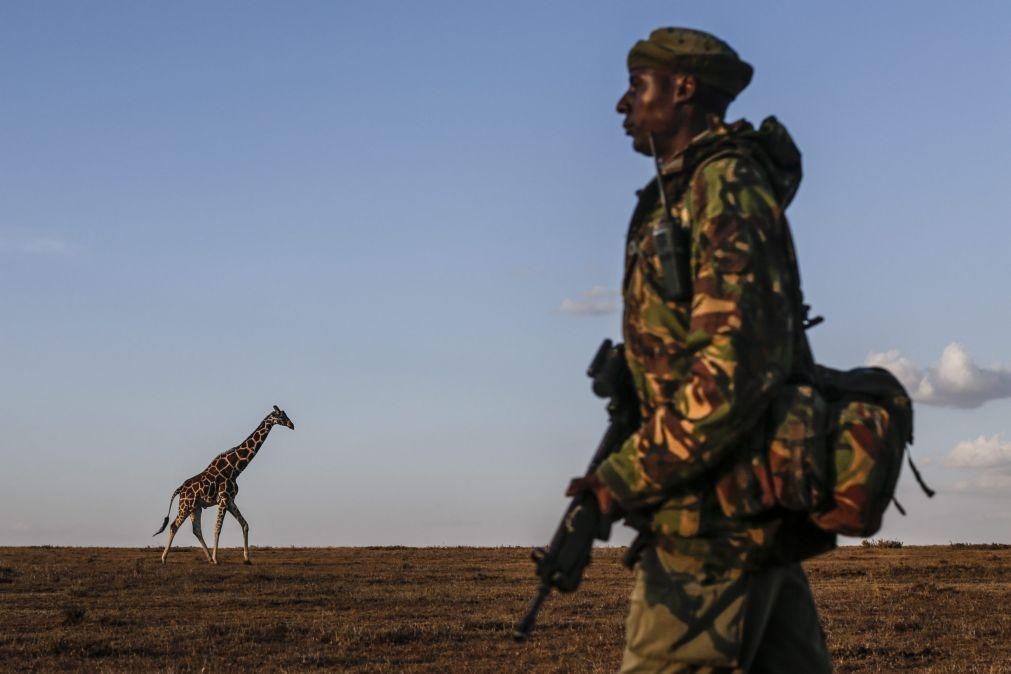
column 605, row 499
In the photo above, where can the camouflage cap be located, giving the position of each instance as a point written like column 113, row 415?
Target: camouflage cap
column 693, row 51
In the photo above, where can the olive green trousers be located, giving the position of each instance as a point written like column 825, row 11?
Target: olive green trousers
column 760, row 621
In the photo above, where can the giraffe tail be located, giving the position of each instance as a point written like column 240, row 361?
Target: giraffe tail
column 165, row 523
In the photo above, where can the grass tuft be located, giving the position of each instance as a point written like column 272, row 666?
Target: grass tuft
column 74, row 615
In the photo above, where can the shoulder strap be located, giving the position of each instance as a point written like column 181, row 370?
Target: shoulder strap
column 803, row 357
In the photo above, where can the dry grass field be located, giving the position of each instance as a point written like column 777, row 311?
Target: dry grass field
column 932, row 609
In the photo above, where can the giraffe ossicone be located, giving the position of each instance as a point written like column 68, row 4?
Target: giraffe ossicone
column 216, row 485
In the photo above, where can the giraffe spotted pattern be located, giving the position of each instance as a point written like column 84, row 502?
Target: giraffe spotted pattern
column 217, row 485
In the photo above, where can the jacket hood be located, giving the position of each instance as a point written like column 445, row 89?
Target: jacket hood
column 770, row 145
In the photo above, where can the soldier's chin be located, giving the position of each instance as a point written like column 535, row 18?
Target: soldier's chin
column 640, row 145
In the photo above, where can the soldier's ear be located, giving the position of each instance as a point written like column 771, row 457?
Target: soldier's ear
column 684, row 87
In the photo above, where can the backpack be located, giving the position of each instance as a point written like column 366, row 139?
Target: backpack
column 838, row 436
column 837, row 446
column 835, row 439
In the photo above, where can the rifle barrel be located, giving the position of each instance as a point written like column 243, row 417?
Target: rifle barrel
column 523, row 627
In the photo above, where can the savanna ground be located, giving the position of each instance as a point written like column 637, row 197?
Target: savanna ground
column 932, row 609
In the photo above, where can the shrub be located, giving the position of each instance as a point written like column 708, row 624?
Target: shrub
column 880, row 543
column 979, row 546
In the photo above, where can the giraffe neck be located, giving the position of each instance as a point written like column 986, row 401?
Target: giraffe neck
column 239, row 457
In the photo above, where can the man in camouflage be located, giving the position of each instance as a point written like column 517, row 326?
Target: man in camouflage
column 719, row 587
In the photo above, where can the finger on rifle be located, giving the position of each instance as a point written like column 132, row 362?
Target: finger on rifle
column 576, row 485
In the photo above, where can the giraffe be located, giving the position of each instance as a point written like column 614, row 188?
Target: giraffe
column 217, row 485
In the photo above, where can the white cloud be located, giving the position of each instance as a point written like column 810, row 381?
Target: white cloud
column 985, row 464
column 596, row 301
column 36, row 245
column 988, row 482
column 955, row 381
column 983, row 452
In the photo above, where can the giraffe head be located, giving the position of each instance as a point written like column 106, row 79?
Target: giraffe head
column 279, row 417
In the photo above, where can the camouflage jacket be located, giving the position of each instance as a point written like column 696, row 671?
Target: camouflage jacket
column 706, row 368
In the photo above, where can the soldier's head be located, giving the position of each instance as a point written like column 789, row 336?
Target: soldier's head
column 678, row 77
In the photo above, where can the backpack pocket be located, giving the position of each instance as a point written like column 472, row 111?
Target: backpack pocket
column 867, row 448
column 798, row 457
column 791, row 470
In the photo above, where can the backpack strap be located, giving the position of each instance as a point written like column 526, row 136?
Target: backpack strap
column 803, row 357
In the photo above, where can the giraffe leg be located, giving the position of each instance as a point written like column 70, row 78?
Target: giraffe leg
column 217, row 530
column 196, row 531
column 234, row 509
column 180, row 518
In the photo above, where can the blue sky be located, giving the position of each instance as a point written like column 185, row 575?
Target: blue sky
column 385, row 217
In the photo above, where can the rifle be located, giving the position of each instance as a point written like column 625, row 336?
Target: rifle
column 561, row 563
